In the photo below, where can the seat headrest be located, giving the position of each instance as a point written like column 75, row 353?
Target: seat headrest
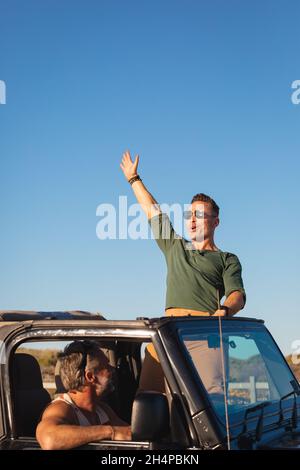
column 26, row 372
column 58, row 382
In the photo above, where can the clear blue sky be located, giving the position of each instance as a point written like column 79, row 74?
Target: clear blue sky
column 202, row 91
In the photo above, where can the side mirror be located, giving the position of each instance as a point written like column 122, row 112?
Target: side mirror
column 150, row 416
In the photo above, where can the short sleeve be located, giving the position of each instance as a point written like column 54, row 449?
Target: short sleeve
column 163, row 231
column 232, row 276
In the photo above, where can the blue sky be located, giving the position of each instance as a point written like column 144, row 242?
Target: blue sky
column 202, row 91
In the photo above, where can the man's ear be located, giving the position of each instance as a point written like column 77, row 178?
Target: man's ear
column 89, row 377
column 217, row 222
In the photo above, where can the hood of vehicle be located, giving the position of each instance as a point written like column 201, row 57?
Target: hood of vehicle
column 288, row 441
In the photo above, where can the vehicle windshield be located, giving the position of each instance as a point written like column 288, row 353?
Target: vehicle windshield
column 255, row 371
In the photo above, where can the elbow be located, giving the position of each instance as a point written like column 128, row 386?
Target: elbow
column 48, row 444
column 47, row 440
column 240, row 298
column 243, row 300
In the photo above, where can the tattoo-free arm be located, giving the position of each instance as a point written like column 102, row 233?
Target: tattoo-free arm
column 235, row 302
column 143, row 196
column 57, row 430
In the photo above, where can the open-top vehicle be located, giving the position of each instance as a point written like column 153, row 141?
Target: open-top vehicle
column 258, row 408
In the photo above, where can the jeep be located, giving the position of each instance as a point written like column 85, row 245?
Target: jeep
column 258, row 408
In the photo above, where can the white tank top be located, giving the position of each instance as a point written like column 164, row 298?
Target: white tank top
column 82, row 419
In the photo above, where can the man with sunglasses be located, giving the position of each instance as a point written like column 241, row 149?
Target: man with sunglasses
column 79, row 416
column 199, row 274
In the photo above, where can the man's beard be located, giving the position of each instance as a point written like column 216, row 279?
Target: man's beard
column 110, row 387
column 104, row 389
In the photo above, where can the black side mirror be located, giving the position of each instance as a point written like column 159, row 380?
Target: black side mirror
column 150, row 419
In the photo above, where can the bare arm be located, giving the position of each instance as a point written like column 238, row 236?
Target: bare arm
column 57, row 430
column 235, row 302
column 143, row 196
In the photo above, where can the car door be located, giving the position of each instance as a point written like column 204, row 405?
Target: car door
column 16, row 441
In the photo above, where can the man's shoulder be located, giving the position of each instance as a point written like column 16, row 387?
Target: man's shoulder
column 62, row 409
column 228, row 257
column 229, row 254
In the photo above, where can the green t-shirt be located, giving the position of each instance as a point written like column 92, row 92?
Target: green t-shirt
column 195, row 278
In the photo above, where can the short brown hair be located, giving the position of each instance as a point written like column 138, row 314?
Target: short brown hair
column 73, row 361
column 201, row 197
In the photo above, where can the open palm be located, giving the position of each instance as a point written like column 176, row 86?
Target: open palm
column 129, row 167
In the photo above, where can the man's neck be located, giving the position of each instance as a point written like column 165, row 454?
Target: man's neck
column 207, row 244
column 83, row 400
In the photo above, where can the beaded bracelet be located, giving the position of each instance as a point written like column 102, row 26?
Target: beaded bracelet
column 134, row 178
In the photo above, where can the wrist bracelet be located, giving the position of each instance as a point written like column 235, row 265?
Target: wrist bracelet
column 134, row 178
column 224, row 307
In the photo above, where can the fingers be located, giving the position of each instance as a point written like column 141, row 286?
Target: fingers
column 219, row 314
column 124, row 161
column 126, row 157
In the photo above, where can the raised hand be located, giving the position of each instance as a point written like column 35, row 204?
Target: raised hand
column 149, row 205
column 129, row 167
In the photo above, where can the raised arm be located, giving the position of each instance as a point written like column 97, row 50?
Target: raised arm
column 143, row 196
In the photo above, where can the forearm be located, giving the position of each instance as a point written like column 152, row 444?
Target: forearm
column 65, row 436
column 145, row 199
column 143, row 196
column 235, row 302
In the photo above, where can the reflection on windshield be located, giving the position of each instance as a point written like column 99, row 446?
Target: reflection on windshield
column 255, row 371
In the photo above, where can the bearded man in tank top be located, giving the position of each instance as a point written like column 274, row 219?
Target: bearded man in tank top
column 78, row 416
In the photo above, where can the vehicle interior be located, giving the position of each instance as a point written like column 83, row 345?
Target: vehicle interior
column 35, row 381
